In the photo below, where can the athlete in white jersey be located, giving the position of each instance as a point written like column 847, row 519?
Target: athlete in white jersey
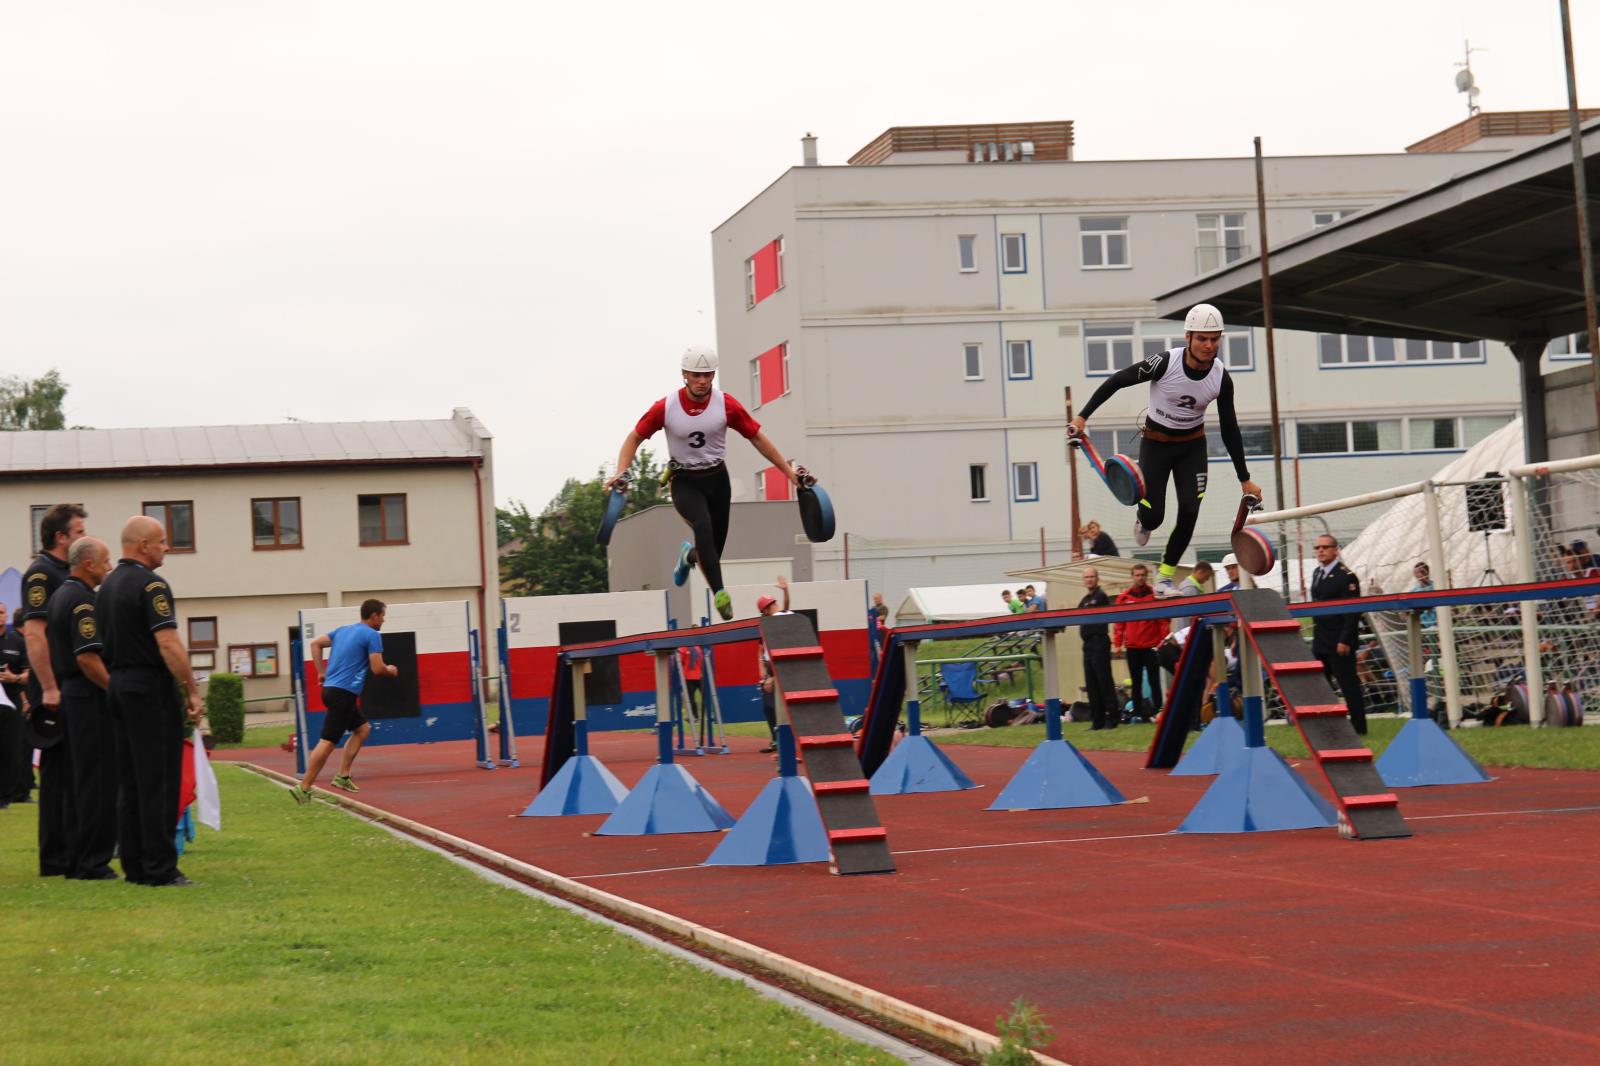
column 697, row 418
column 1184, row 383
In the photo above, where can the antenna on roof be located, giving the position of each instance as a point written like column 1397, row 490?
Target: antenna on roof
column 1465, row 82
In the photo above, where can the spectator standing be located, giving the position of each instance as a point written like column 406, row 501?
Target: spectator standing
column 1102, row 691
column 59, row 528
column 1424, row 583
column 1334, row 636
column 77, row 657
column 1140, row 640
column 1097, row 541
column 1195, row 583
column 691, row 662
column 769, row 606
column 139, row 624
column 1230, row 566
column 16, row 757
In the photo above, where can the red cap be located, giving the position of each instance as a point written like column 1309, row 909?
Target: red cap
column 764, row 602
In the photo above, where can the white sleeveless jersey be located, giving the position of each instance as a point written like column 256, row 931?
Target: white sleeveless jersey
column 697, row 442
column 1177, row 400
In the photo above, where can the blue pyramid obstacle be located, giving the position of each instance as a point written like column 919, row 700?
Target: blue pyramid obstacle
column 1220, row 744
column 1259, row 792
column 666, row 800
column 917, row 765
column 583, row 785
column 1423, row 754
column 1056, row 775
column 783, row 825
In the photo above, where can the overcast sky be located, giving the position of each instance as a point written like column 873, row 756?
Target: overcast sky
column 216, row 212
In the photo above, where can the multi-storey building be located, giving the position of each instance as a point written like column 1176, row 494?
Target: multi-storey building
column 266, row 521
column 910, row 324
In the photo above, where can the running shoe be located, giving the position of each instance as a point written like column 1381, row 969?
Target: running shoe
column 724, row 604
column 301, row 796
column 1167, row 589
column 681, row 574
column 1141, row 535
column 343, row 783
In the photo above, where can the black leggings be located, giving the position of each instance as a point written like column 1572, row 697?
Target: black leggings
column 704, row 499
column 1145, row 665
column 1185, row 463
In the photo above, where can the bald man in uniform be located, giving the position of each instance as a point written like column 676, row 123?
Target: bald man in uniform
column 138, row 621
column 76, row 656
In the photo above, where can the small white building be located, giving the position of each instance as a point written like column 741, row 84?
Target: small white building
column 267, row 520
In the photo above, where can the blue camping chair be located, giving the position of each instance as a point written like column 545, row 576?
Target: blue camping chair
column 963, row 702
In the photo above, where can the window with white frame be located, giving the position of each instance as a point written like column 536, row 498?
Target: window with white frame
column 780, row 264
column 1330, row 216
column 1342, row 438
column 1158, row 337
column 972, row 361
column 783, row 362
column 977, row 475
column 755, row 383
column 750, row 282
column 1024, row 482
column 1335, row 349
column 1104, row 242
column 1238, row 348
column 1019, row 359
column 1257, row 440
column 1107, row 347
column 1219, row 239
column 1574, row 347
column 967, row 246
column 1450, row 434
column 1014, row 253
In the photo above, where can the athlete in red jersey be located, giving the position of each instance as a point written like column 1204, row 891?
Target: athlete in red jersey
column 697, row 418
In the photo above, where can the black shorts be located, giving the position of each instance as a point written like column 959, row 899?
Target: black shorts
column 343, row 715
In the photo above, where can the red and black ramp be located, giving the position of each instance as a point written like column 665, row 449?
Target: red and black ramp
column 1188, row 691
column 855, row 834
column 883, row 707
column 1366, row 805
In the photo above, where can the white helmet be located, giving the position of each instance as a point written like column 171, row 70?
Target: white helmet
column 700, row 360
column 1202, row 318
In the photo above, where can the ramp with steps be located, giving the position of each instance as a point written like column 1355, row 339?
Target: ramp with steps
column 856, row 837
column 1367, row 808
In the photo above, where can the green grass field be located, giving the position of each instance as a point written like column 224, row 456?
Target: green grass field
column 1557, row 749
column 314, row 937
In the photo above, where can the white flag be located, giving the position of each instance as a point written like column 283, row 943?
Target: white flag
column 207, row 800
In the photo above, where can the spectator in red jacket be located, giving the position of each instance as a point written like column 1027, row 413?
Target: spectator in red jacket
column 1141, row 639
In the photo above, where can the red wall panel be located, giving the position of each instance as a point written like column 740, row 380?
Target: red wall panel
column 766, row 269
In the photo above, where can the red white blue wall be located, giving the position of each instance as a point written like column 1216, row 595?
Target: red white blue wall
column 532, row 640
column 444, row 670
column 841, row 618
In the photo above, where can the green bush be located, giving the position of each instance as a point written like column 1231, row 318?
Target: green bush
column 225, row 707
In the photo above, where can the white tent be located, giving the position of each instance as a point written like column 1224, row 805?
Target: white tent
column 956, row 603
column 1395, row 541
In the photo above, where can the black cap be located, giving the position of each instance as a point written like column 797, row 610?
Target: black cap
column 43, row 727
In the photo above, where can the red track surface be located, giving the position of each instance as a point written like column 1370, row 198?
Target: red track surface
column 1478, row 940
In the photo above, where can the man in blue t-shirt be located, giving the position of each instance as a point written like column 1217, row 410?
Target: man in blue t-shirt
column 357, row 648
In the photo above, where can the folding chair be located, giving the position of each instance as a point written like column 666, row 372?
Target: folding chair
column 963, row 702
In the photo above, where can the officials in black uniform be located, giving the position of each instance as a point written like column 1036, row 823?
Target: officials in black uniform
column 59, row 529
column 16, row 758
column 1334, row 637
column 148, row 664
column 1099, row 687
column 75, row 655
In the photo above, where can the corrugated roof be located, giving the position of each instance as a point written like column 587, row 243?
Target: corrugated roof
column 68, row 450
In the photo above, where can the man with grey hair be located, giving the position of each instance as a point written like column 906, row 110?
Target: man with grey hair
column 89, row 749
column 1100, row 689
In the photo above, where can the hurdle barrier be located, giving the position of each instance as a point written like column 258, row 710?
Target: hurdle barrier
column 437, row 695
column 839, row 612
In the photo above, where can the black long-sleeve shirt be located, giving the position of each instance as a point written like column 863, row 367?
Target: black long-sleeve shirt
column 1151, row 370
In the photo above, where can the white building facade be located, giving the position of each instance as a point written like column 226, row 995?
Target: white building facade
column 265, row 521
column 907, row 326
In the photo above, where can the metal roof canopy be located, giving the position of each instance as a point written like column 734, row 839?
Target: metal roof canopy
column 1490, row 254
